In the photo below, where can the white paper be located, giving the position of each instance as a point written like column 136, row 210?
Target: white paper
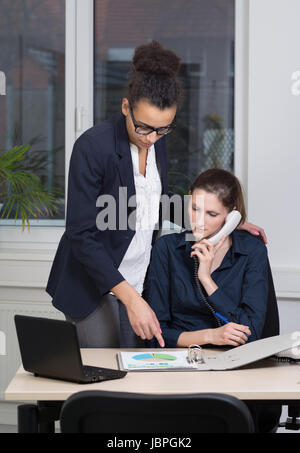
column 154, row 360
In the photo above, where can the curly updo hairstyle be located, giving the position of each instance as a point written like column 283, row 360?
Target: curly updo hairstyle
column 153, row 76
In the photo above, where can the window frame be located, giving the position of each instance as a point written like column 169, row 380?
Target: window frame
column 241, row 88
column 79, row 32
column 79, row 109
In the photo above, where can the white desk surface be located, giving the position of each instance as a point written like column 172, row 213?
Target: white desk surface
column 264, row 380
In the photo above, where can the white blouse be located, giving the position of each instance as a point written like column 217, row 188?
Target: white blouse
column 148, row 191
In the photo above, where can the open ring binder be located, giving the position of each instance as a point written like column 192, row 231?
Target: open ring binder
column 195, row 354
column 196, row 359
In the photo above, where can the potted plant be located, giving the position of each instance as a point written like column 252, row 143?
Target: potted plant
column 21, row 191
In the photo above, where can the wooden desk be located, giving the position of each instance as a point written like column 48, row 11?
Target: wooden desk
column 266, row 381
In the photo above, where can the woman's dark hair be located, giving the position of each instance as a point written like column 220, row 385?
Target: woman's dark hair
column 225, row 186
column 153, row 76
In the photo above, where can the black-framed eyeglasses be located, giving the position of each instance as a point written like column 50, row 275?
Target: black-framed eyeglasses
column 146, row 130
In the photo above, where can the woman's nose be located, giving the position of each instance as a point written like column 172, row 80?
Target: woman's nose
column 152, row 137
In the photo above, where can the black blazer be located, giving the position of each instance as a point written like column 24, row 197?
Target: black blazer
column 86, row 263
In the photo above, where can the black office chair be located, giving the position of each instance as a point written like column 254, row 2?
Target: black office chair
column 113, row 412
column 271, row 326
column 267, row 417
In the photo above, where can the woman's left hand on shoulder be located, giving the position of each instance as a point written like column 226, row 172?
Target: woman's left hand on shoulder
column 253, row 229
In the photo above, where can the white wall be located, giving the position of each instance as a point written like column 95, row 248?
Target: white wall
column 274, row 143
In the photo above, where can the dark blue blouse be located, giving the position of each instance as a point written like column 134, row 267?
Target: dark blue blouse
column 241, row 297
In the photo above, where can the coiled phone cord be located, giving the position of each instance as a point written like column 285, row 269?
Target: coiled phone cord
column 207, row 304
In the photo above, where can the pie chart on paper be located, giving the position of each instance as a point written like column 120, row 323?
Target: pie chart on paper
column 154, row 357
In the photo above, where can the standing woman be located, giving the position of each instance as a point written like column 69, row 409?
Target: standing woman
column 97, row 275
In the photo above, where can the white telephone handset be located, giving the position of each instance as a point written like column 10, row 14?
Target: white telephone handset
column 289, row 355
column 232, row 221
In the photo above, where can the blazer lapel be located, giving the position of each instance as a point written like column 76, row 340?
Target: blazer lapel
column 125, row 160
column 161, row 162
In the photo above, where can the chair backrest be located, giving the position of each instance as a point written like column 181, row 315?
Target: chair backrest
column 271, row 326
column 114, row 412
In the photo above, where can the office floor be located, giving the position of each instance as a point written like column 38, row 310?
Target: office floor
column 10, row 429
column 7, row 429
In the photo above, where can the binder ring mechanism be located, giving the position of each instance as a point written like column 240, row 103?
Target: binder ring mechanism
column 195, row 354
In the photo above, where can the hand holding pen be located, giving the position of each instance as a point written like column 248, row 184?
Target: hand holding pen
column 230, row 334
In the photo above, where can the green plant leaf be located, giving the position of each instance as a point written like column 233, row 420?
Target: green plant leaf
column 23, row 189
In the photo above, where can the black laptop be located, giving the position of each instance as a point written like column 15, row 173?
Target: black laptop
column 50, row 348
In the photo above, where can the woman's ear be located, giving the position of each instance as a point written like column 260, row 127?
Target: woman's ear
column 125, row 106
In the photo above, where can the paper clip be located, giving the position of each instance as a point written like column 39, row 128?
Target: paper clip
column 195, row 354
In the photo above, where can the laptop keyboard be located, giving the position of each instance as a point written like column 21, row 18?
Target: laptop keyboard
column 91, row 371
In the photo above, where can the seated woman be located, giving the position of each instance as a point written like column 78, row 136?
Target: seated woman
column 233, row 274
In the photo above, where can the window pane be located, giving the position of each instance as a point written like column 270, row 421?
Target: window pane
column 202, row 34
column 32, row 56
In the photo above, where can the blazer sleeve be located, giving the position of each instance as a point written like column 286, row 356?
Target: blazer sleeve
column 84, row 187
column 157, row 294
column 252, row 308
